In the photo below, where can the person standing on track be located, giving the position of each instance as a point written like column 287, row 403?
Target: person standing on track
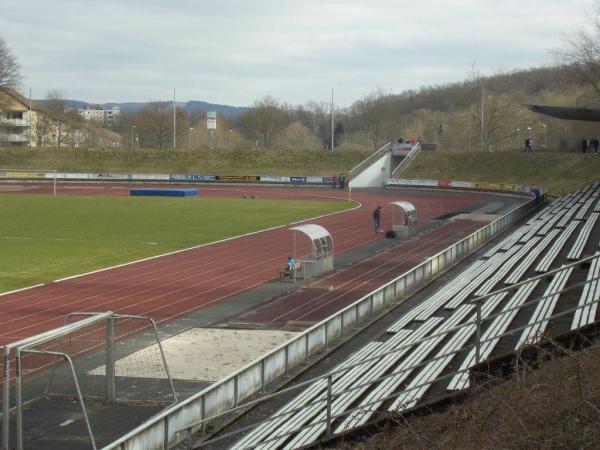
column 377, row 219
column 334, row 181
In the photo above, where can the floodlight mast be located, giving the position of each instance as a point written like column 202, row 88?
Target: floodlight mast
column 332, row 114
column 174, row 122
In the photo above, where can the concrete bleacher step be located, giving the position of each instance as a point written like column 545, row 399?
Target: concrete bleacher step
column 541, row 212
column 265, row 431
column 579, row 245
column 504, row 244
column 530, row 258
column 551, row 255
column 532, row 334
column 313, row 400
column 377, row 396
column 552, row 222
column 584, row 209
column 507, row 266
column 356, row 384
column 567, row 217
column 492, row 334
column 492, row 266
column 426, row 309
column 445, row 295
column 426, row 376
column 587, row 306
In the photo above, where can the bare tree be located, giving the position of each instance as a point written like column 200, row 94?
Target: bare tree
column 10, row 70
column 41, row 128
column 64, row 122
column 373, row 112
column 155, row 124
column 581, row 55
column 264, row 120
column 297, row 137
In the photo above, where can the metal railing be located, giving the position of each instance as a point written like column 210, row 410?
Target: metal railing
column 161, row 431
column 15, row 122
column 370, row 160
column 326, row 393
column 407, row 160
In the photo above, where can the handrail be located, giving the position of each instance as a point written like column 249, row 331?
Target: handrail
column 407, row 160
column 369, row 160
column 253, row 377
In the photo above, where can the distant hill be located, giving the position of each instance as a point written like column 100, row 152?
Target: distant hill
column 192, row 105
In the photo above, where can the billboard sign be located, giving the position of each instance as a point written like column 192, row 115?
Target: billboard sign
column 211, row 120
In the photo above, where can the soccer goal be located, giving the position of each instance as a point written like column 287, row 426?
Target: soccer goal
column 30, row 174
column 70, row 379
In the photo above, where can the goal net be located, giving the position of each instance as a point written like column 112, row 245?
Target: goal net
column 97, row 364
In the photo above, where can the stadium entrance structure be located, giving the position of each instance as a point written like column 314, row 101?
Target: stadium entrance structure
column 321, row 250
column 389, row 161
column 102, row 363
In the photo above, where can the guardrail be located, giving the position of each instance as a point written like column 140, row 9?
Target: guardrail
column 407, row 160
column 370, row 160
column 161, row 431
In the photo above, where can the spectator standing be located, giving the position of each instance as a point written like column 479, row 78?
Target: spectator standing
column 334, row 181
column 584, row 145
column 528, row 144
column 377, row 219
column 342, row 181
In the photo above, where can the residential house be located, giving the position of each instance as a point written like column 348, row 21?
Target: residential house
column 17, row 114
column 30, row 124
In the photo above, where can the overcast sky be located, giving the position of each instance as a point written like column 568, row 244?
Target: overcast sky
column 237, row 51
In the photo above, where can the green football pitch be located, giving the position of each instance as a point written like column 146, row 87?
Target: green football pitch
column 47, row 238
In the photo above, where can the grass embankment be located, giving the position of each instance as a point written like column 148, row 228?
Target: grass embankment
column 216, row 162
column 558, row 172
column 45, row 238
column 555, row 406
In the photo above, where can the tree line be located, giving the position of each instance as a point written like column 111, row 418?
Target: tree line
column 481, row 113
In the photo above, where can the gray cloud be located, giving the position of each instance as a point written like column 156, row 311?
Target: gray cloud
column 236, row 51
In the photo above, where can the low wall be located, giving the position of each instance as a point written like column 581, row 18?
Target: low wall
column 51, row 175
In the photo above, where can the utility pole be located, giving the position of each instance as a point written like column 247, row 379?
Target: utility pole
column 174, row 122
column 30, row 121
column 482, row 106
column 332, row 113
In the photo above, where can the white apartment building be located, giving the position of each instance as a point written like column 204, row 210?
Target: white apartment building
column 107, row 118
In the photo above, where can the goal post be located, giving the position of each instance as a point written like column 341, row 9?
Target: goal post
column 94, row 359
column 31, row 175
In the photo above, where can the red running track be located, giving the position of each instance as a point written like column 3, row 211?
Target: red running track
column 172, row 285
column 332, row 293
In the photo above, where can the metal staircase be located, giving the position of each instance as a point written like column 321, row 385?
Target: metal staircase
column 408, row 158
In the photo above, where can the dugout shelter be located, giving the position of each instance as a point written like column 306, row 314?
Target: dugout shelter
column 321, row 255
column 405, row 219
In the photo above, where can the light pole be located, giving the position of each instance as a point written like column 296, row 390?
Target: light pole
column 132, row 128
column 518, row 138
column 545, row 134
column 191, row 129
